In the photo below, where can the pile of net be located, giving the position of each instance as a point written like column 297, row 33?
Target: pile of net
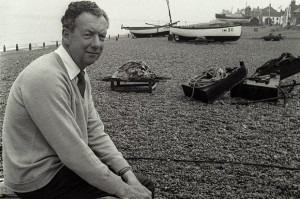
column 134, row 70
column 209, row 77
column 274, row 65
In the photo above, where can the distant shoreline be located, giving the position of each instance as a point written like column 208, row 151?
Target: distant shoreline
column 39, row 45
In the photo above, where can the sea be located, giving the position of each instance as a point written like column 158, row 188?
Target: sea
column 24, row 29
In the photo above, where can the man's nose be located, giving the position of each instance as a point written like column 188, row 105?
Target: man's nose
column 96, row 42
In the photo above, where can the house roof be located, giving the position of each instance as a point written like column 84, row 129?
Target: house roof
column 270, row 11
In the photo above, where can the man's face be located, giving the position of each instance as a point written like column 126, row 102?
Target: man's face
column 85, row 44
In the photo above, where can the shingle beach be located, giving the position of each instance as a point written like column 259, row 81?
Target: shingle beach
column 191, row 149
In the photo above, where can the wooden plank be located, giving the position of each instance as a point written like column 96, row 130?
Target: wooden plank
column 156, row 79
column 133, row 86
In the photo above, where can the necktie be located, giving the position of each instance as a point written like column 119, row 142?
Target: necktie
column 81, row 83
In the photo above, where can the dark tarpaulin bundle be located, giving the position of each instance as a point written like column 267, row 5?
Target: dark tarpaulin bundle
column 274, row 65
column 134, row 70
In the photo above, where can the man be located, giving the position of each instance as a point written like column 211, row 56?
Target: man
column 54, row 144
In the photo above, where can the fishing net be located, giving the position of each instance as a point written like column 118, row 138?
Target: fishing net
column 208, row 77
column 134, row 70
column 274, row 65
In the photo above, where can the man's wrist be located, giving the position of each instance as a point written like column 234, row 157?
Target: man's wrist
column 124, row 170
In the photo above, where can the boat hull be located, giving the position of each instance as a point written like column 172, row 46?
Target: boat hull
column 222, row 34
column 143, row 32
column 234, row 20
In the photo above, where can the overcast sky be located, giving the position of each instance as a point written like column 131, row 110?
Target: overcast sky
column 24, row 21
column 139, row 10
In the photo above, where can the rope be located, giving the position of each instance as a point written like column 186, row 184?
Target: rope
column 216, row 162
column 207, row 78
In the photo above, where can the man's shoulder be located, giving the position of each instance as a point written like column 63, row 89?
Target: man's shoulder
column 45, row 66
column 44, row 61
column 44, row 74
column 44, row 70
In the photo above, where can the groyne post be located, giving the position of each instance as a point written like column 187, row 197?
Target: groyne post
column 4, row 48
column 117, row 38
column 29, row 46
column 56, row 43
column 44, row 45
column 17, row 47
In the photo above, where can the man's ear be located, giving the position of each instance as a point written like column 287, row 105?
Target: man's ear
column 66, row 36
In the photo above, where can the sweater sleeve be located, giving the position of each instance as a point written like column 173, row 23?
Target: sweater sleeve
column 47, row 99
column 101, row 143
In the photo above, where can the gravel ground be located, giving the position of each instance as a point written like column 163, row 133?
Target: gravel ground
column 188, row 148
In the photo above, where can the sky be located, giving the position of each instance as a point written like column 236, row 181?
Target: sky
column 121, row 12
column 140, row 10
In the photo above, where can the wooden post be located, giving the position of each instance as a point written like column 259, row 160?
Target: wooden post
column 17, row 47
column 128, row 35
column 117, row 38
column 56, row 43
column 29, row 46
column 43, row 44
column 4, row 48
column 112, row 85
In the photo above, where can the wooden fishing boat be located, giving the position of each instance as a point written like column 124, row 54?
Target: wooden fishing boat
column 235, row 18
column 214, row 83
column 209, row 31
column 148, row 31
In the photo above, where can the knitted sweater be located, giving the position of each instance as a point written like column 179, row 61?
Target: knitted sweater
column 48, row 125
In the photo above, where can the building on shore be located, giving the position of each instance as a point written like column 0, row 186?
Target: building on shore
column 265, row 16
column 292, row 14
column 270, row 16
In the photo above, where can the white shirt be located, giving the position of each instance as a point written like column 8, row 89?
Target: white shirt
column 72, row 68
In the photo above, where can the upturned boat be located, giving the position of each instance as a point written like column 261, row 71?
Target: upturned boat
column 221, row 32
column 235, row 18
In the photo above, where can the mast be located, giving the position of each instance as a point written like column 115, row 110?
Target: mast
column 269, row 14
column 169, row 12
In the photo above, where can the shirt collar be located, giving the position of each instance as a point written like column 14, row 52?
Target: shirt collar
column 70, row 65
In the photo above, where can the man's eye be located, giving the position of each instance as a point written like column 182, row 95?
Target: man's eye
column 87, row 35
column 101, row 37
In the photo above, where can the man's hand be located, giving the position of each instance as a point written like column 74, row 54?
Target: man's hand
column 133, row 189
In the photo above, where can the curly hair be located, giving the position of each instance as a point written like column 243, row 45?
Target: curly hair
column 79, row 7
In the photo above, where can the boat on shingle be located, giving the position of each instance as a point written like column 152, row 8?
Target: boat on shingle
column 213, row 31
column 149, row 31
column 235, row 18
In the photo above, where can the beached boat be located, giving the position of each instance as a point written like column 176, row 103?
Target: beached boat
column 148, row 31
column 207, row 31
column 235, row 18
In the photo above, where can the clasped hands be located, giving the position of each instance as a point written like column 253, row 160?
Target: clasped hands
column 133, row 188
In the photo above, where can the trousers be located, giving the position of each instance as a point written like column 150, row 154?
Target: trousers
column 68, row 185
